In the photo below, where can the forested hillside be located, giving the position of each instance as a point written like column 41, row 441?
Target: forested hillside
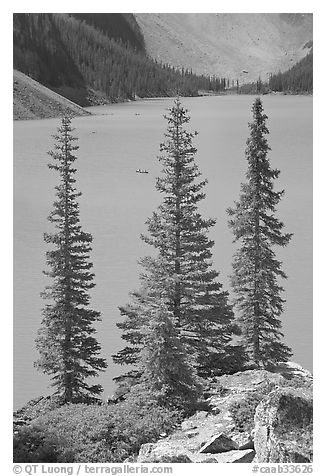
column 118, row 26
column 298, row 79
column 86, row 56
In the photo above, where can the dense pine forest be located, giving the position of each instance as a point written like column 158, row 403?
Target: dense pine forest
column 85, row 57
column 298, row 79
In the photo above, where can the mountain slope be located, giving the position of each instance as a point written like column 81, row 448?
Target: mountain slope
column 34, row 101
column 225, row 44
column 298, row 79
column 78, row 56
column 118, row 26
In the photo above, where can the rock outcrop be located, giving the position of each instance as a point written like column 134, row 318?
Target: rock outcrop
column 255, row 415
column 251, row 416
column 218, row 444
column 283, row 427
column 165, row 453
column 233, row 456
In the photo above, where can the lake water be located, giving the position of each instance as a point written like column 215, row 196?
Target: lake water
column 116, row 202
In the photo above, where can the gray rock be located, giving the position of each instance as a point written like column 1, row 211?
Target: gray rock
column 218, row 444
column 208, row 459
column 234, row 456
column 164, row 453
column 249, row 380
column 238, row 456
column 172, row 457
column 144, row 452
column 243, row 440
column 283, row 427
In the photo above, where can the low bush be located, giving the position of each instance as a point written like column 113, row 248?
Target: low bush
column 243, row 412
column 94, row 433
column 32, row 444
column 138, row 420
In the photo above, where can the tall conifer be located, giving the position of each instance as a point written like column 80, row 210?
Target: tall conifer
column 256, row 271
column 167, row 369
column 181, row 273
column 68, row 349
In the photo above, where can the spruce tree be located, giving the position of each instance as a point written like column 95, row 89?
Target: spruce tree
column 69, row 352
column 256, row 270
column 181, row 273
column 167, row 370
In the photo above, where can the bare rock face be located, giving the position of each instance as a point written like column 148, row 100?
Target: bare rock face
column 283, row 427
column 218, row 444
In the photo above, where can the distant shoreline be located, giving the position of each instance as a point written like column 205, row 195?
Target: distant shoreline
column 32, row 100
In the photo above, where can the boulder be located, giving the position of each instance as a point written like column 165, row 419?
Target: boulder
column 167, row 453
column 250, row 380
column 243, row 440
column 218, row 444
column 281, row 430
column 208, row 459
column 283, row 427
column 145, row 451
column 238, row 456
column 234, row 456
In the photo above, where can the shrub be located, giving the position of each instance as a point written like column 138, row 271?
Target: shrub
column 81, row 430
column 32, row 444
column 243, row 412
column 94, row 433
column 138, row 420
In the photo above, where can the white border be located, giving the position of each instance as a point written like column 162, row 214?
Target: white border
column 318, row 9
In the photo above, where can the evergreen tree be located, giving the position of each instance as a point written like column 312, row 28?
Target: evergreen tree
column 70, row 52
column 256, row 271
column 167, row 370
column 181, row 273
column 68, row 350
